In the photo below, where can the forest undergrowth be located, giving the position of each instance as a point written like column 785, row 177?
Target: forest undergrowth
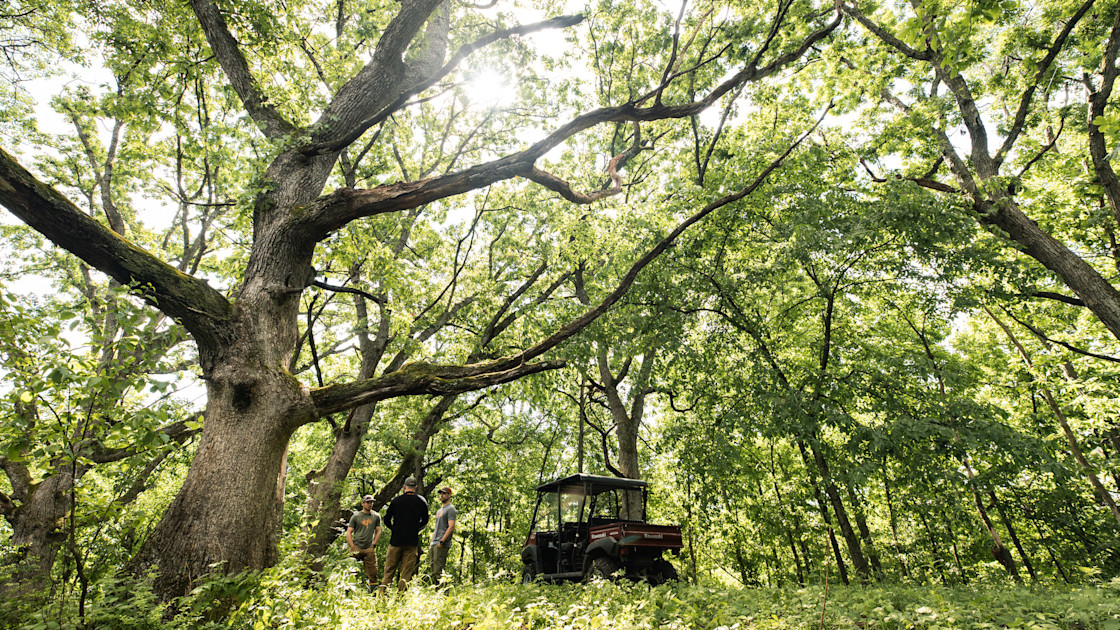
column 278, row 599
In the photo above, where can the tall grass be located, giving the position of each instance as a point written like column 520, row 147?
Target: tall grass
column 282, row 599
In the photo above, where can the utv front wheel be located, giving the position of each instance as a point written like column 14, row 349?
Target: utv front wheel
column 528, row 573
column 604, row 567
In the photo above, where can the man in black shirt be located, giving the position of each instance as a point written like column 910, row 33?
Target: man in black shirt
column 406, row 516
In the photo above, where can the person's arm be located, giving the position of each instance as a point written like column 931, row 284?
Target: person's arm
column 447, row 534
column 388, row 520
column 376, row 536
column 350, row 539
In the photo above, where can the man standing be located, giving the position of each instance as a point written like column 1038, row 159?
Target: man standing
column 362, row 535
column 441, row 537
column 406, row 516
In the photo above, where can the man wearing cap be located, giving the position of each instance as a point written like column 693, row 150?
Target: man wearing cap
column 406, row 516
column 362, row 535
column 441, row 537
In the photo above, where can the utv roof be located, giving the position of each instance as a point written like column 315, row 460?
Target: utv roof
column 591, row 484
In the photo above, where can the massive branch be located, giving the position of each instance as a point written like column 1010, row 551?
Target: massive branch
column 331, row 212
column 190, row 301
column 374, row 113
column 422, row 378
column 229, row 56
column 419, row 378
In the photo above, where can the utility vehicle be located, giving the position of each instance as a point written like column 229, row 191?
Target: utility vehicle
column 593, row 526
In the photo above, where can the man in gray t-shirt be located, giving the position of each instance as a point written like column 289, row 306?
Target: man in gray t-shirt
column 441, row 537
column 362, row 534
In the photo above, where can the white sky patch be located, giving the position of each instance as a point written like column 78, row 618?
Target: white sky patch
column 490, row 88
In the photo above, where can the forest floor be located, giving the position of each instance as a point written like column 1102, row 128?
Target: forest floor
column 279, row 599
column 604, row 605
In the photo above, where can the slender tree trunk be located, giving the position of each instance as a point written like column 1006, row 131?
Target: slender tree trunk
column 865, row 532
column 325, row 486
column 792, row 519
column 691, row 529
column 934, row 550
column 999, row 550
column 1010, row 526
column 1049, row 551
column 894, row 524
column 1074, row 446
column 956, row 552
column 841, row 568
column 855, row 550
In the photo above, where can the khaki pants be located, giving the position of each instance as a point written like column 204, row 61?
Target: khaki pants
column 406, row 558
column 368, row 556
column 438, row 559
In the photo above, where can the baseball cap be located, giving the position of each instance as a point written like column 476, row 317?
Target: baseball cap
column 367, row 499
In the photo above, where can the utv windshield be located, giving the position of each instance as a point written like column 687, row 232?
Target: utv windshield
column 563, row 506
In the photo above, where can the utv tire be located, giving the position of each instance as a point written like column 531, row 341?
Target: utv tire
column 663, row 571
column 528, row 573
column 604, row 567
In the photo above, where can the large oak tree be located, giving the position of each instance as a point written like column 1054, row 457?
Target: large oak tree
column 227, row 510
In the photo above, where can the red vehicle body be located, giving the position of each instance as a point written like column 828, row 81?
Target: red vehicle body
column 589, row 525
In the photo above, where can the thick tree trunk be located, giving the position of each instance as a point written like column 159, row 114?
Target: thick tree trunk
column 36, row 536
column 228, row 509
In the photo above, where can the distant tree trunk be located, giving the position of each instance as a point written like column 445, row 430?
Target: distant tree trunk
column 865, row 532
column 855, row 550
column 627, row 418
column 325, row 486
column 823, row 507
column 999, row 550
column 1010, row 526
column 894, row 523
column 36, row 535
column 690, row 528
column 1049, row 551
column 935, row 551
column 956, row 552
column 787, row 515
column 1113, row 438
column 798, row 531
column 1071, row 437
